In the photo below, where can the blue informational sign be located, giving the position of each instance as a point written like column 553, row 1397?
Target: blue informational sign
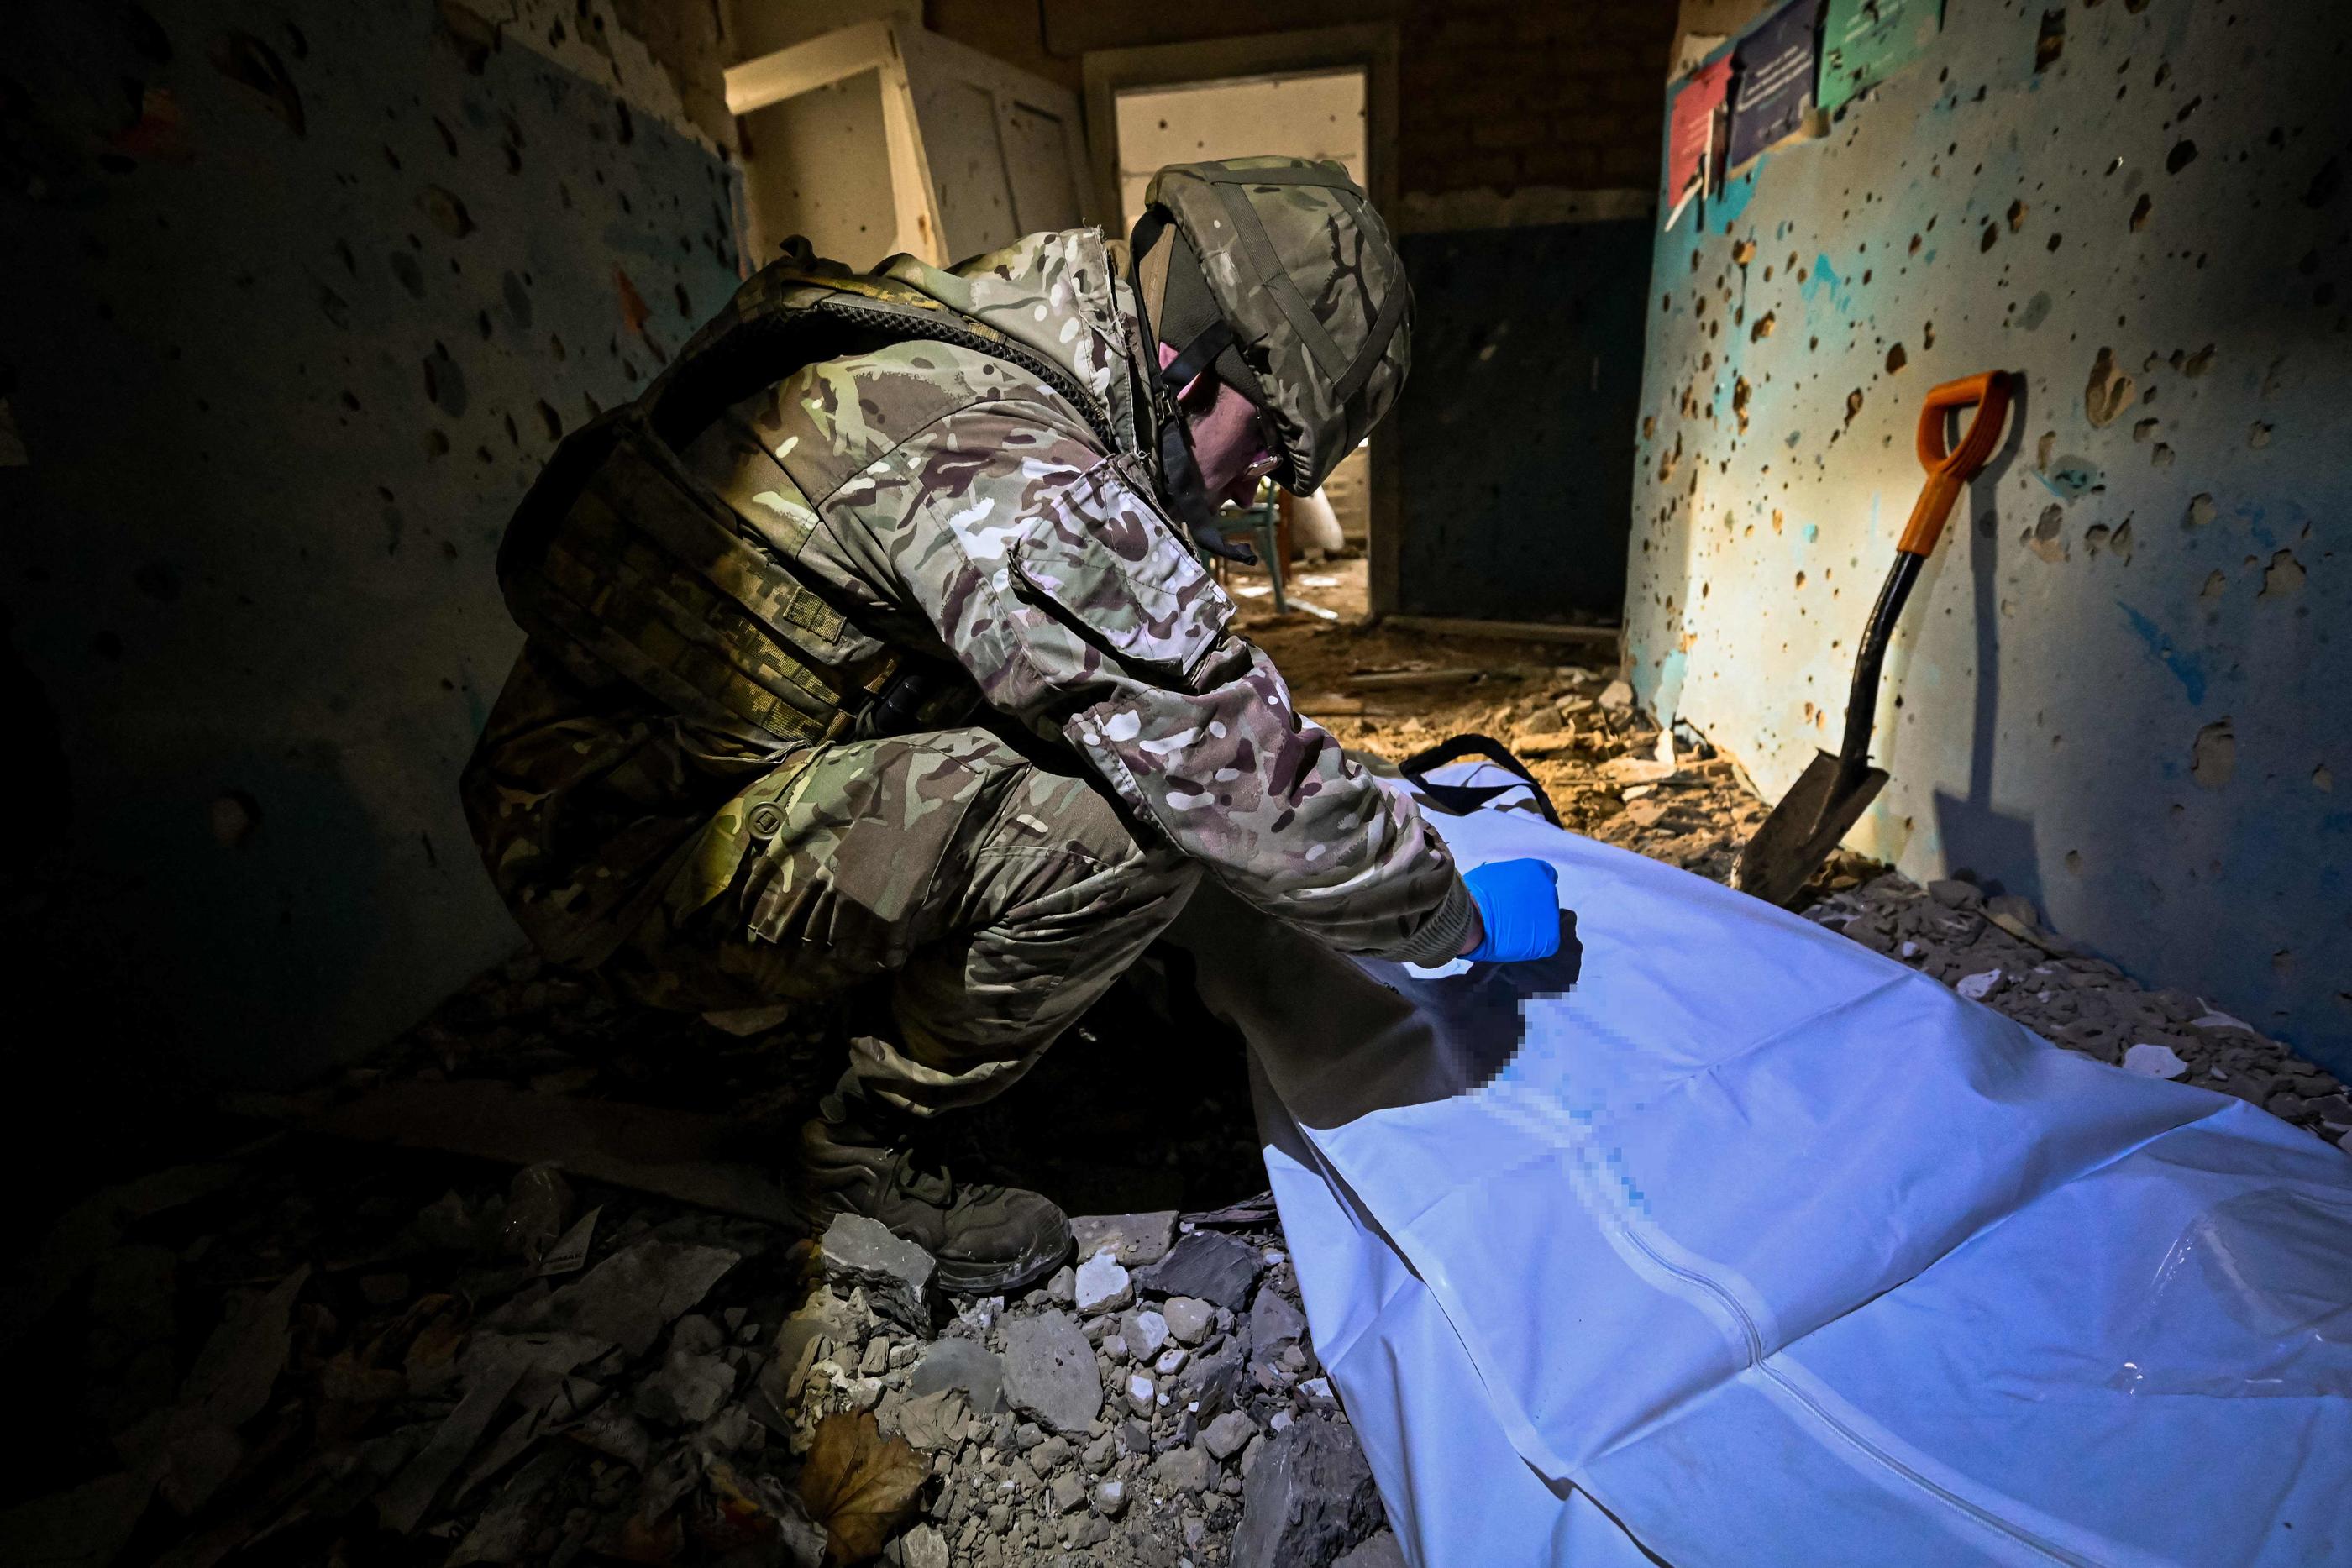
column 1773, row 70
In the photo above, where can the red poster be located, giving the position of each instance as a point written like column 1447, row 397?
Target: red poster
column 1690, row 134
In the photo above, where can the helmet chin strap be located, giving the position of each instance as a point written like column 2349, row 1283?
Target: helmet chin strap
column 1180, row 470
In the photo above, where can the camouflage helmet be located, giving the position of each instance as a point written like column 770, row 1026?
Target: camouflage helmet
column 1279, row 272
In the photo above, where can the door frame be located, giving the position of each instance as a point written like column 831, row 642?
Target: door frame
column 1371, row 47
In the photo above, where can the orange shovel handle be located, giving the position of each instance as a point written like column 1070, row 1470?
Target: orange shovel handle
column 1949, row 471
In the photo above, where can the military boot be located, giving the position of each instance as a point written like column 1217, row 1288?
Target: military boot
column 860, row 1157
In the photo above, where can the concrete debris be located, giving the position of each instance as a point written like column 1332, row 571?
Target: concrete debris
column 1207, row 1264
column 686, row 1391
column 1102, row 1286
column 1229, row 1433
column 964, row 1365
column 858, row 1253
column 1131, row 1238
column 2156, row 1061
column 1275, row 1323
column 1309, row 1498
column 1188, row 1319
column 1145, row 1332
column 1380, row 1550
column 1049, row 1371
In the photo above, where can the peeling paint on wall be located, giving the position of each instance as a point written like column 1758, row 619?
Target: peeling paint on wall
column 2121, row 685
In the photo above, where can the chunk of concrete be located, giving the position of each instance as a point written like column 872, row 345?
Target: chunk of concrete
column 1102, row 1286
column 896, row 1275
column 962, row 1363
column 1208, row 1265
column 1131, row 1238
column 1049, row 1371
column 1308, row 1498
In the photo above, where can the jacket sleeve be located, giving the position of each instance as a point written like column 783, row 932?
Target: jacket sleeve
column 1051, row 575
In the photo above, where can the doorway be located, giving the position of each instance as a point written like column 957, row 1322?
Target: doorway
column 1327, row 94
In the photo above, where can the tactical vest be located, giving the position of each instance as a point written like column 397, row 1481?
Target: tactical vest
column 619, row 552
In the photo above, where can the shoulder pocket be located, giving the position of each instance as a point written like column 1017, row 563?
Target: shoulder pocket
column 1098, row 557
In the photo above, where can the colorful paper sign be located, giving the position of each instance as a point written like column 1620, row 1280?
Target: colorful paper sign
column 1773, row 71
column 1866, row 41
column 1691, row 123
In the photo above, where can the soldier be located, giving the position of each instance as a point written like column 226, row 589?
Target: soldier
column 867, row 655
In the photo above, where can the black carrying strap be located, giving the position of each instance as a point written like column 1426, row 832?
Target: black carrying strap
column 1471, row 797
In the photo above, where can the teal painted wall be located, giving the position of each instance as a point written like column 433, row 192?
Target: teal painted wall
column 299, row 298
column 2120, row 689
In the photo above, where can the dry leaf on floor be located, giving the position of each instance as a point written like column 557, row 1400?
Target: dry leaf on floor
column 858, row 1485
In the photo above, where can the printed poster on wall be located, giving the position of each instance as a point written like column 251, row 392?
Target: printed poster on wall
column 1773, row 69
column 1866, row 41
column 1690, row 134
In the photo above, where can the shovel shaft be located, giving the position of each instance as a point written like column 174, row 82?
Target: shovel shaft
column 1862, row 701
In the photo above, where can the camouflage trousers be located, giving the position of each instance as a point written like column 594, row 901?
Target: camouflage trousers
column 988, row 900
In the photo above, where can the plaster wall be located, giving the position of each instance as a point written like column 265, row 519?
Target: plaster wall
column 2119, row 689
column 301, row 299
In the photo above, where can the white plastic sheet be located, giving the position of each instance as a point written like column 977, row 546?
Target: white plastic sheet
column 1738, row 1243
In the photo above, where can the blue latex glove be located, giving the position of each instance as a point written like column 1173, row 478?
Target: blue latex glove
column 1519, row 904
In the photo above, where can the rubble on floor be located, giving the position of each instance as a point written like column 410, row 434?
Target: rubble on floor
column 353, row 1350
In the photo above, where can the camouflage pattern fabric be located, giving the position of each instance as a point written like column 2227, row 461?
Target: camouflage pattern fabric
column 1303, row 269
column 989, row 899
column 953, row 508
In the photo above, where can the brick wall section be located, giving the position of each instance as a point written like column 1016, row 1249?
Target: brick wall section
column 1497, row 94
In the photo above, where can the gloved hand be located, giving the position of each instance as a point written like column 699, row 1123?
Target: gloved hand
column 1519, row 904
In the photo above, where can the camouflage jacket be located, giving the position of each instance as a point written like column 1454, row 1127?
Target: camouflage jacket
column 961, row 511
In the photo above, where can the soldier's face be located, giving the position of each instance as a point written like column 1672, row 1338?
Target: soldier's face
column 1229, row 441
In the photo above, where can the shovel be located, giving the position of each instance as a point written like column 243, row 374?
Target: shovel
column 1831, row 794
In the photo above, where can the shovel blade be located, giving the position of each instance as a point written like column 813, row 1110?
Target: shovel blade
column 1803, row 828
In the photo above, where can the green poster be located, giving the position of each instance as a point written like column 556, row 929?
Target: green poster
column 1866, row 41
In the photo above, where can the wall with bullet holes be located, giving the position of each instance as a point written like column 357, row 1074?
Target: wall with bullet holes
column 2120, row 687
column 298, row 300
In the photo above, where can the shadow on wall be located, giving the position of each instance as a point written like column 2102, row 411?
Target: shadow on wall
column 316, row 299
column 2129, row 706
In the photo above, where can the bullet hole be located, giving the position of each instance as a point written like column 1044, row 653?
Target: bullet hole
column 514, row 431
column 2050, row 42
column 1801, row 579
column 2258, row 435
column 445, row 383
column 1778, row 518
column 2043, row 538
column 350, row 400
column 1743, row 252
column 1740, row 391
column 2037, row 311
column 411, row 275
column 2183, row 153
column 2108, row 393
column 2056, row 240
column 446, row 211
column 2146, row 205
column 159, row 581
column 2161, row 457
column 436, row 443
column 473, row 36
column 2216, row 585
column 235, row 816
column 634, row 310
column 334, row 307
column 551, row 420
column 2044, row 449
column 1896, row 358
column 2322, row 780
column 2213, row 757
column 1763, row 327
column 555, row 346
column 1991, row 237
column 1927, row 337
column 626, row 124
column 2325, row 184
column 2201, row 510
column 2017, row 210
column 2074, row 861
column 2117, row 542
column 2284, row 577
column 685, row 305
column 1853, row 404
column 448, row 137
column 2198, row 363
column 393, row 159
column 255, row 66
